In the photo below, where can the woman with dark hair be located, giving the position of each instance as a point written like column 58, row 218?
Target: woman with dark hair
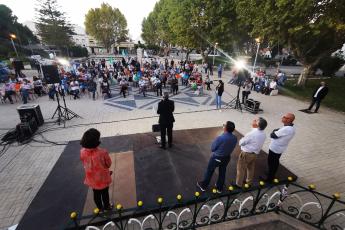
column 96, row 162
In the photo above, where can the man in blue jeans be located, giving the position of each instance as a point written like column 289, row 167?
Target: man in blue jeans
column 221, row 148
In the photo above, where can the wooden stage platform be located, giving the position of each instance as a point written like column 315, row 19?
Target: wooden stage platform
column 142, row 171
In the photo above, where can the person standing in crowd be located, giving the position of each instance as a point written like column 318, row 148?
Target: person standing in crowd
column 318, row 95
column 246, row 90
column 96, row 162
column 219, row 93
column 75, row 88
column 208, row 82
column 210, row 67
column 8, row 88
column 38, row 86
column 174, row 85
column 221, row 148
column 220, row 70
column 124, row 86
column 165, row 110
column 92, row 87
column 25, row 90
column 280, row 139
column 250, row 144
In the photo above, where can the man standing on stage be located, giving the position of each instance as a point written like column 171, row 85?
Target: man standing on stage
column 165, row 110
column 251, row 145
column 280, row 139
column 221, row 148
column 318, row 95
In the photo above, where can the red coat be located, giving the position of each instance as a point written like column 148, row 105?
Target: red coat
column 96, row 163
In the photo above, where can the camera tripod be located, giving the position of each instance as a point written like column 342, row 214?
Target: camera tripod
column 235, row 103
column 63, row 113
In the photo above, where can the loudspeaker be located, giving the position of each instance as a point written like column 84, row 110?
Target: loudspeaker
column 27, row 111
column 18, row 65
column 51, row 74
column 25, row 130
column 252, row 106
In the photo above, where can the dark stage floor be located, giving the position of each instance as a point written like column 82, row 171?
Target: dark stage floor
column 142, row 171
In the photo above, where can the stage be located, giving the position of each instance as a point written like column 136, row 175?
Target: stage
column 142, row 171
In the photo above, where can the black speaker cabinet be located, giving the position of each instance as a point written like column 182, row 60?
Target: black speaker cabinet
column 252, row 106
column 26, row 129
column 51, row 74
column 27, row 111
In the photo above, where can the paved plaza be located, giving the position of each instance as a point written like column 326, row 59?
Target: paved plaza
column 316, row 154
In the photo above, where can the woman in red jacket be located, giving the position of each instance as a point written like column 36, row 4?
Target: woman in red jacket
column 96, row 162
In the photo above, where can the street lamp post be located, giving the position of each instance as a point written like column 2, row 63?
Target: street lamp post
column 257, row 51
column 214, row 51
column 13, row 36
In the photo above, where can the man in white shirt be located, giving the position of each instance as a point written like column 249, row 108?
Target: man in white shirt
column 251, row 145
column 280, row 139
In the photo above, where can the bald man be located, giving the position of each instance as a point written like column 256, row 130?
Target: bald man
column 280, row 138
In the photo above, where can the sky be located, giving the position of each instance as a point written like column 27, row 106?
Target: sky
column 133, row 10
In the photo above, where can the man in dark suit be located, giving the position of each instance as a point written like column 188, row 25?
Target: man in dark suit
column 165, row 110
column 318, row 95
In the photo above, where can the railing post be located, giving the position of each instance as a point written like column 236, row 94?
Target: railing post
column 160, row 201
column 197, row 194
column 256, row 201
column 336, row 196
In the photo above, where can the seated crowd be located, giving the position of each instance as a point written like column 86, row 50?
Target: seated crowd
column 96, row 78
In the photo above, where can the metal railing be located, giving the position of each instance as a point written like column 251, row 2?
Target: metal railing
column 303, row 204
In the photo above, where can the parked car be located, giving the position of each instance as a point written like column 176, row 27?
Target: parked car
column 4, row 72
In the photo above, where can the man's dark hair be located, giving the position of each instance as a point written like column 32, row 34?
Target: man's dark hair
column 230, row 126
column 90, row 139
column 262, row 123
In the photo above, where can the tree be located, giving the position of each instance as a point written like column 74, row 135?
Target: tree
column 52, row 25
column 9, row 25
column 106, row 24
column 194, row 24
column 312, row 29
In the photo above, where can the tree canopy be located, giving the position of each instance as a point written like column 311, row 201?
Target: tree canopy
column 194, row 24
column 9, row 25
column 106, row 24
column 52, row 25
column 312, row 29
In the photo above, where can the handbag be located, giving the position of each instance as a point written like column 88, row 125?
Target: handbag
column 156, row 128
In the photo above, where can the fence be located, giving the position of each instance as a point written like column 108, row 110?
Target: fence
column 304, row 204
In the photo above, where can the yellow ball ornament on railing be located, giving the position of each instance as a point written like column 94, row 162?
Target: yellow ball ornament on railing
column 197, row 194
column 73, row 215
column 96, row 211
column 214, row 190
column 336, row 195
column 290, row 178
column 140, row 203
column 246, row 185
column 160, row 200
column 261, row 183
column 311, row 186
column 178, row 197
column 231, row 188
column 276, row 181
column 118, row 206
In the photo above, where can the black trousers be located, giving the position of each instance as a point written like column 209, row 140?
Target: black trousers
column 273, row 164
column 166, row 129
column 313, row 102
column 101, row 198
column 159, row 90
column 245, row 95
